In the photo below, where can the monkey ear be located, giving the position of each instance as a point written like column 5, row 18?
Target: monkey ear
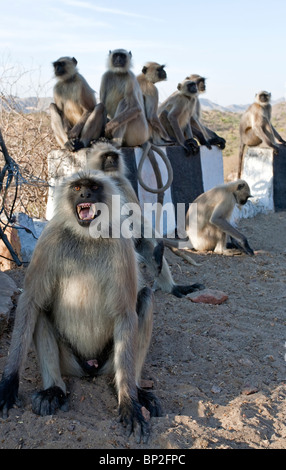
column 240, row 186
column 130, row 54
column 74, row 60
column 144, row 70
column 179, row 86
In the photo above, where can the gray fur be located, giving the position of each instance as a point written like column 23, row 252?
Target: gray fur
column 122, row 98
column 81, row 294
column 76, row 118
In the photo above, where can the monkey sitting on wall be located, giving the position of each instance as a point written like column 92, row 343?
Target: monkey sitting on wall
column 175, row 115
column 81, row 301
column 208, row 137
column 152, row 73
column 122, row 98
column 255, row 127
column 76, row 119
column 208, row 219
column 105, row 157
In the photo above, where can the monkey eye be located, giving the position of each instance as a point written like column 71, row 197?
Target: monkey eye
column 77, row 188
column 94, row 187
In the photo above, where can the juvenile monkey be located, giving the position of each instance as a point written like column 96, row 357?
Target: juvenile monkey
column 76, row 119
column 256, row 128
column 204, row 135
column 208, row 219
column 175, row 114
column 122, row 98
column 152, row 73
column 81, row 301
column 105, row 157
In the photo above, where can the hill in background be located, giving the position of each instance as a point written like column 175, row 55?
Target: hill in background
column 226, row 124
column 224, row 120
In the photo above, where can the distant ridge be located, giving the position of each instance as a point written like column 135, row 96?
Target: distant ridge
column 34, row 104
column 208, row 105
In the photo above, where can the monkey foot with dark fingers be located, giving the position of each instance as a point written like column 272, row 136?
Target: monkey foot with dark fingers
column 218, row 141
column 47, row 402
column 191, row 146
column 73, row 145
column 135, row 416
column 9, row 394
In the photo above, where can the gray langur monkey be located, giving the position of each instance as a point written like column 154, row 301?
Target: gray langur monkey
column 122, row 98
column 152, row 73
column 105, row 157
column 175, row 115
column 76, row 118
column 255, row 127
column 81, row 301
column 204, row 135
column 208, row 219
column 127, row 124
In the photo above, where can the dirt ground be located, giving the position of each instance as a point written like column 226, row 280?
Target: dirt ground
column 219, row 370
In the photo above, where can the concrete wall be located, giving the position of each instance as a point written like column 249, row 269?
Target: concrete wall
column 266, row 175
column 193, row 175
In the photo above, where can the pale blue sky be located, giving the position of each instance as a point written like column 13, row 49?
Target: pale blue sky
column 239, row 46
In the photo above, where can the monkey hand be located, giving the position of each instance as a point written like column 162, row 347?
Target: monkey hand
column 132, row 417
column 109, row 129
column 8, row 395
column 191, row 146
column 218, row 141
column 46, row 402
column 246, row 247
column 157, row 256
column 73, row 145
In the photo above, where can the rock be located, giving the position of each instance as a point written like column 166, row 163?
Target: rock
column 8, row 289
column 249, row 389
column 23, row 237
column 29, row 232
column 208, row 296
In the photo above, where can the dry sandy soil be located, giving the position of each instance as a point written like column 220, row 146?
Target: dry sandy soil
column 219, row 370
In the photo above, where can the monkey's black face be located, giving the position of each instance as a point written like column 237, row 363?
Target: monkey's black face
column 192, row 88
column 161, row 73
column 242, row 194
column 119, row 59
column 59, row 68
column 110, row 161
column 264, row 97
column 243, row 201
column 84, row 196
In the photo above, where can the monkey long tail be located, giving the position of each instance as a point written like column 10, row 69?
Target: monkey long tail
column 146, row 149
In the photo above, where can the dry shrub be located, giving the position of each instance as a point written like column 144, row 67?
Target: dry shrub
column 29, row 139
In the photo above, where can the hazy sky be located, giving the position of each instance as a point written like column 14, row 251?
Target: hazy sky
column 240, row 46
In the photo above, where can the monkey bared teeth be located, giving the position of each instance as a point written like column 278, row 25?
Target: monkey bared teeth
column 86, row 211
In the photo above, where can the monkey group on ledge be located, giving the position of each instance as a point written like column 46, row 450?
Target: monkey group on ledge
column 84, row 302
column 128, row 112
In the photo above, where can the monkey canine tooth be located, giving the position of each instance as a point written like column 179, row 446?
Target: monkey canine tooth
column 86, row 211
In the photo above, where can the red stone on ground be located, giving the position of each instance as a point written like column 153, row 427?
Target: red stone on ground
column 208, row 296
